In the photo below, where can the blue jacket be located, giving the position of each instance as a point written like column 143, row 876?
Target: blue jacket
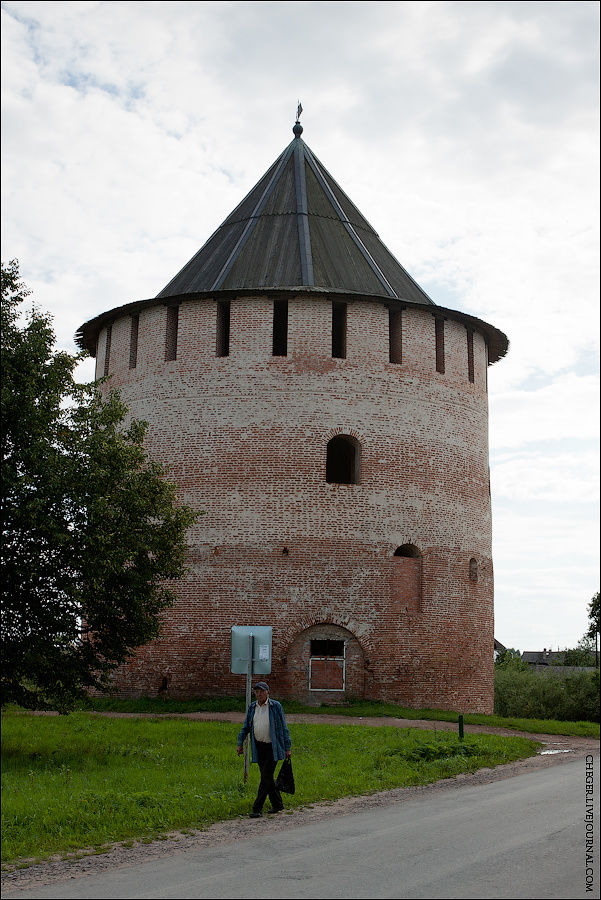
column 280, row 736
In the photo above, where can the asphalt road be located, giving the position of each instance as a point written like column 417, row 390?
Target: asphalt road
column 517, row 838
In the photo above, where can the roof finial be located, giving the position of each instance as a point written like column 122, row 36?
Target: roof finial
column 298, row 128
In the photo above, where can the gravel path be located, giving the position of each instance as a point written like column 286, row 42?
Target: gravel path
column 555, row 750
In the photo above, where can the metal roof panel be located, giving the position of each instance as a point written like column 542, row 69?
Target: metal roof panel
column 296, row 230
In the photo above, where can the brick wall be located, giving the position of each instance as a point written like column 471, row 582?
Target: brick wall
column 245, row 437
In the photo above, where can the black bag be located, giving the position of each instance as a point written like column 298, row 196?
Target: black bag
column 285, row 780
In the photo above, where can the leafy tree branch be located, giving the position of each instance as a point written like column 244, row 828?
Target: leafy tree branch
column 92, row 531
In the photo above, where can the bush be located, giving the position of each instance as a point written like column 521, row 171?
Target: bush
column 511, row 659
column 528, row 694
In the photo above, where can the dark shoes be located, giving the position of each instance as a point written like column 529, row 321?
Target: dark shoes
column 259, row 815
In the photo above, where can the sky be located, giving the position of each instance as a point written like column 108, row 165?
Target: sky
column 465, row 132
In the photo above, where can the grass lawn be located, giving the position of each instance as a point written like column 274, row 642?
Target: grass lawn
column 82, row 781
column 356, row 708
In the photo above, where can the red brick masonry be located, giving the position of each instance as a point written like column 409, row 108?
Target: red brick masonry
column 246, row 436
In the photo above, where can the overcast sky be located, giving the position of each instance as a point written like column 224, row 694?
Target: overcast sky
column 466, row 133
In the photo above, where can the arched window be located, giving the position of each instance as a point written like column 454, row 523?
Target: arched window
column 409, row 550
column 473, row 569
column 343, row 463
column 407, row 576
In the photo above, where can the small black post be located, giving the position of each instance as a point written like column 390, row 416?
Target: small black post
column 460, row 727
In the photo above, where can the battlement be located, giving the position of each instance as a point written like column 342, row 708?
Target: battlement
column 249, row 329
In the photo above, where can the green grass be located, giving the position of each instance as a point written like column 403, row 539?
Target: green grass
column 357, row 708
column 166, row 705
column 83, row 781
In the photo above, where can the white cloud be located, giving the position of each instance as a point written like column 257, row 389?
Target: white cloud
column 568, row 477
column 465, row 132
column 568, row 407
column 546, row 571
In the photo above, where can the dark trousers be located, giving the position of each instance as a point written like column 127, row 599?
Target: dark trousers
column 267, row 786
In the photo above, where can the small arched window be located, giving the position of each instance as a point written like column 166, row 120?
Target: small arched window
column 473, row 569
column 408, row 576
column 343, row 463
column 409, row 550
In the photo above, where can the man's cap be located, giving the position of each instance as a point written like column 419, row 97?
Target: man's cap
column 261, row 686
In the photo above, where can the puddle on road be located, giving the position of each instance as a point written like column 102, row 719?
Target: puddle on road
column 547, row 752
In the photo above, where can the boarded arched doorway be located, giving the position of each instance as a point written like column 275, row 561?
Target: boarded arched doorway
column 326, row 664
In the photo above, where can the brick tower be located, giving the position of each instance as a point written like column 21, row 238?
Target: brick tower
column 332, row 423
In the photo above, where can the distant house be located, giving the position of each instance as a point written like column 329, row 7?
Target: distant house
column 551, row 662
column 499, row 648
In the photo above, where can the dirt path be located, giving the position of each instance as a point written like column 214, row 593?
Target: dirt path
column 555, row 750
column 323, row 719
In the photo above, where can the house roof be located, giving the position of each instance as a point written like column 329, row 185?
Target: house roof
column 543, row 657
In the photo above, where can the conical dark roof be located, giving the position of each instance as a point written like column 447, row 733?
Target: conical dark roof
column 296, row 228
column 295, row 231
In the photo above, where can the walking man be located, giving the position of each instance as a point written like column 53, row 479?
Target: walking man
column 270, row 741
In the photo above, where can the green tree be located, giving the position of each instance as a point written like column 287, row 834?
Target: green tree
column 511, row 659
column 594, row 617
column 583, row 654
column 92, row 530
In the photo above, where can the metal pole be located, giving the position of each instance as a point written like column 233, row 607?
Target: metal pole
column 460, row 727
column 249, row 678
